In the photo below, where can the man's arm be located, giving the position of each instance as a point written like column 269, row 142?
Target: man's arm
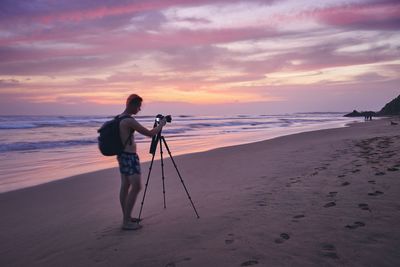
column 134, row 125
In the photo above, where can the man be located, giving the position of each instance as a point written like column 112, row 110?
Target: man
column 128, row 160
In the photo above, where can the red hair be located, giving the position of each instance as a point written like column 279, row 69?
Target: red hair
column 134, row 99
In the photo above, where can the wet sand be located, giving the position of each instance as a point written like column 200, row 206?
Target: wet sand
column 322, row 198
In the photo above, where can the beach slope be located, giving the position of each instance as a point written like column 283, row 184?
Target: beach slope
column 322, row 198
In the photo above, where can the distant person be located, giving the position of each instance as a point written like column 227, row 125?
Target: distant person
column 368, row 115
column 128, row 160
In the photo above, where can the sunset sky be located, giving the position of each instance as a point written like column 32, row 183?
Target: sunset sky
column 198, row 57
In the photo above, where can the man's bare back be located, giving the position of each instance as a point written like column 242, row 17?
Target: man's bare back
column 125, row 130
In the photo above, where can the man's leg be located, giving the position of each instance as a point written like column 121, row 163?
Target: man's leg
column 135, row 187
column 123, row 193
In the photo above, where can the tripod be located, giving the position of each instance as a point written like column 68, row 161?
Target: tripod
column 161, row 139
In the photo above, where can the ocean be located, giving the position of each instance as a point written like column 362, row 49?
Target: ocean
column 40, row 149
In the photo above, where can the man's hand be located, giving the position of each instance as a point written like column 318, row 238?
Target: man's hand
column 163, row 122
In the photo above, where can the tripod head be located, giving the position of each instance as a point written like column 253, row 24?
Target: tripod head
column 156, row 138
column 159, row 117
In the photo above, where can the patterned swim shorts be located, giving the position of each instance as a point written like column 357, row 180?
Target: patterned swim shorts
column 129, row 163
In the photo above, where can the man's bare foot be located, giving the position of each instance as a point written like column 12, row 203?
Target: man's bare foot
column 135, row 220
column 131, row 226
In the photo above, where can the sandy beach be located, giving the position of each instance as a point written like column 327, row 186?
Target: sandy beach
column 322, row 198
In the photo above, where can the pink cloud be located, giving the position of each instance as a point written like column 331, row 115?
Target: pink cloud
column 326, row 56
column 104, row 11
column 60, row 65
column 187, row 51
column 316, row 57
column 47, row 11
column 9, row 83
column 374, row 16
column 86, row 38
column 120, row 47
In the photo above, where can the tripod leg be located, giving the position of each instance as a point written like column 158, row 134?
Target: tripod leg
column 162, row 173
column 180, row 177
column 147, row 183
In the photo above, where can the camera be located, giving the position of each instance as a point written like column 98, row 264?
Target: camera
column 156, row 138
column 160, row 117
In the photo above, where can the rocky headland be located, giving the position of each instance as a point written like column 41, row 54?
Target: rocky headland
column 390, row 109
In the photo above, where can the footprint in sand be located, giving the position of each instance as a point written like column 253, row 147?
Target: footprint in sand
column 230, row 240
column 372, row 182
column 355, row 225
column 293, row 180
column 341, row 176
column 380, row 173
column 296, row 217
column 355, row 171
column 262, row 203
column 364, row 206
column 249, row 263
column 332, row 194
column 376, row 193
column 329, row 251
column 345, row 183
column 329, row 204
column 173, row 264
column 283, row 237
column 392, row 169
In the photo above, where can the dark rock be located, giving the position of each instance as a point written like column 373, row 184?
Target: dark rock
column 355, row 113
column 366, row 114
column 391, row 108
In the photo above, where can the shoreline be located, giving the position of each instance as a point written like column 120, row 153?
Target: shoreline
column 273, row 134
column 321, row 198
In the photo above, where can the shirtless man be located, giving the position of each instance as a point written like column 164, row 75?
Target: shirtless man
column 128, row 160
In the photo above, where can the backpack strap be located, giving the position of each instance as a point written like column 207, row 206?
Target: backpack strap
column 129, row 139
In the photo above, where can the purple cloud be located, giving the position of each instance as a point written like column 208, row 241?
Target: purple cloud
column 375, row 15
column 83, row 38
